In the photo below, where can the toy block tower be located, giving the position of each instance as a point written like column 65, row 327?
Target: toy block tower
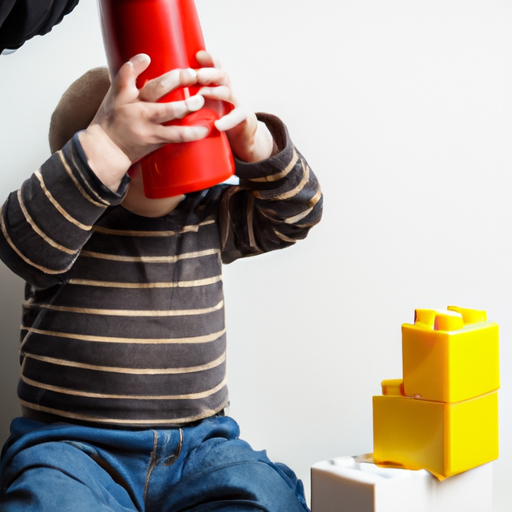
column 443, row 415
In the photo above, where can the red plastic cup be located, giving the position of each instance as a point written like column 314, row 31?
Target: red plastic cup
column 170, row 33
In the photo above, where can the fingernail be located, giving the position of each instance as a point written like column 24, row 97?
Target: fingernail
column 202, row 130
column 195, row 102
column 143, row 57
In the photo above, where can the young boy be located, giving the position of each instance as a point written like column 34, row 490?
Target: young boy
column 123, row 353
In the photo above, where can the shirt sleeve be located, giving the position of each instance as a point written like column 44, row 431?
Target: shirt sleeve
column 44, row 224
column 277, row 202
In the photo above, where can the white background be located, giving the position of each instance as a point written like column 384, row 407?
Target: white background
column 403, row 109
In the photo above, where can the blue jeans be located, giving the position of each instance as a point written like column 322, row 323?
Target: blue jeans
column 200, row 468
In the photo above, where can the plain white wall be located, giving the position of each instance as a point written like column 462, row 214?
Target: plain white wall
column 404, row 110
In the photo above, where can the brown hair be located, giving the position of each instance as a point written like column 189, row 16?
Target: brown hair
column 78, row 106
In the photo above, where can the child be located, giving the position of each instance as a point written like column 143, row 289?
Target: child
column 123, row 353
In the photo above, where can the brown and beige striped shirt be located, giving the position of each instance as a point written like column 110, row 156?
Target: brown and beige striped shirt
column 123, row 319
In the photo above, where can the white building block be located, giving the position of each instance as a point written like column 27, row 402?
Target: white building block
column 345, row 484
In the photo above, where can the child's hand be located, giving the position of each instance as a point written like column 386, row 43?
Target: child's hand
column 128, row 124
column 250, row 139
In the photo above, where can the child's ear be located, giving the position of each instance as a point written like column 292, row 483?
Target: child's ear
column 78, row 106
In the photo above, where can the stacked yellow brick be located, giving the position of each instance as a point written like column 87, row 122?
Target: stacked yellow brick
column 443, row 415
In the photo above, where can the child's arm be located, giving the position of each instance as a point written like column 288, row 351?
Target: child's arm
column 279, row 198
column 276, row 204
column 44, row 225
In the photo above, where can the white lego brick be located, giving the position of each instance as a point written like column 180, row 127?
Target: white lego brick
column 349, row 484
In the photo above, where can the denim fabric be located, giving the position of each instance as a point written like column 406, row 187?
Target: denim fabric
column 200, row 468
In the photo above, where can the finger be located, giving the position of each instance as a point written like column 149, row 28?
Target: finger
column 209, row 76
column 234, row 118
column 124, row 84
column 177, row 134
column 163, row 112
column 221, row 92
column 158, row 87
column 205, row 59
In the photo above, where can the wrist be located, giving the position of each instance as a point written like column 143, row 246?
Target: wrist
column 104, row 157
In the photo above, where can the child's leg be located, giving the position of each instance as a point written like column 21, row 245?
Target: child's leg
column 70, row 482
column 40, row 473
column 219, row 472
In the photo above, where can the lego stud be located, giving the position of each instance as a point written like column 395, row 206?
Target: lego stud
column 449, row 321
column 470, row 316
column 393, row 387
column 426, row 317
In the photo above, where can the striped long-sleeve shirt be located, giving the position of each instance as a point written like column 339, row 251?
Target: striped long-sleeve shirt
column 123, row 319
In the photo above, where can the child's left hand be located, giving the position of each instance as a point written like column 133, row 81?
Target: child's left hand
column 249, row 138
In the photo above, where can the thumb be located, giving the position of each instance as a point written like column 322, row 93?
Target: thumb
column 125, row 83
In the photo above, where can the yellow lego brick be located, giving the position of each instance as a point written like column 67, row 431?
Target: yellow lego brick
column 451, row 356
column 443, row 438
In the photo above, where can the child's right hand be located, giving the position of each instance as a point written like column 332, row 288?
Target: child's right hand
column 128, row 124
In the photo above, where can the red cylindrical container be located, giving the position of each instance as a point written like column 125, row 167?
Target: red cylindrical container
column 170, row 33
